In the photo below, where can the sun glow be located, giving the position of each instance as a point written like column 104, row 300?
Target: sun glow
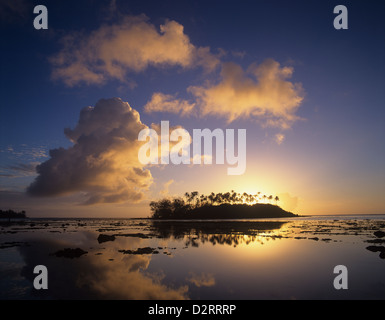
column 252, row 193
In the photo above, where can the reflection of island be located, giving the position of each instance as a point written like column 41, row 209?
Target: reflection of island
column 229, row 205
column 228, row 232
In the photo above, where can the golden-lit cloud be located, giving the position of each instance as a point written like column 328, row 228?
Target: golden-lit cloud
column 117, row 282
column 165, row 144
column 263, row 92
column 125, row 279
column 202, row 279
column 166, row 102
column 121, row 277
column 165, row 191
column 103, row 161
column 133, row 44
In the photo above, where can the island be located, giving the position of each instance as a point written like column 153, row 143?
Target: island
column 229, row 205
column 10, row 214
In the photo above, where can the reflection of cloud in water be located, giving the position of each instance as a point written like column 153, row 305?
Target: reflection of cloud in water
column 93, row 276
column 202, row 279
column 283, row 269
column 115, row 281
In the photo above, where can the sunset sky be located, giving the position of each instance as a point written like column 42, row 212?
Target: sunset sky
column 75, row 96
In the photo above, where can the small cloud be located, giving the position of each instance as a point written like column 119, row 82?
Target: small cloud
column 7, row 175
column 239, row 54
column 168, row 103
column 279, row 138
column 23, row 169
column 165, row 191
column 25, row 153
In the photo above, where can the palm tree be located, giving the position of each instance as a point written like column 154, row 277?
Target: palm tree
column 226, row 197
column 211, row 197
column 219, row 198
column 233, row 196
column 270, row 198
column 203, row 199
column 193, row 195
column 276, row 200
column 187, row 195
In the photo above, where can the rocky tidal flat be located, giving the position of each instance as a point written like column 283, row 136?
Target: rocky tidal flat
column 146, row 248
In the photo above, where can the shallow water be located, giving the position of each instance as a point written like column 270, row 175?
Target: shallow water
column 144, row 259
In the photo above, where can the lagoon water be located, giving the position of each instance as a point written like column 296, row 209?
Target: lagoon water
column 290, row 258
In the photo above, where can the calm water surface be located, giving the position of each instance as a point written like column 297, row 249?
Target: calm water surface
column 143, row 259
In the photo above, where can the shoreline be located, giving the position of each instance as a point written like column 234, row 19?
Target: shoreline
column 296, row 218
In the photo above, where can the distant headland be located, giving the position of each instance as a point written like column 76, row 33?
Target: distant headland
column 10, row 214
column 229, row 205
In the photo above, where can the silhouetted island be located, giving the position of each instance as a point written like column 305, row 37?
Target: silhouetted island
column 230, row 205
column 10, row 214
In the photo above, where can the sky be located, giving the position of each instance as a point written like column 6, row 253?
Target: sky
column 75, row 96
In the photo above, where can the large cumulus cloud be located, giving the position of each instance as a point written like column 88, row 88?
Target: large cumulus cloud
column 103, row 161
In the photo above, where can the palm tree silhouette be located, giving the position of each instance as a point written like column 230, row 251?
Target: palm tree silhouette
column 202, row 199
column 193, row 195
column 188, row 197
column 211, row 197
column 179, row 207
column 276, row 200
column 226, row 197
